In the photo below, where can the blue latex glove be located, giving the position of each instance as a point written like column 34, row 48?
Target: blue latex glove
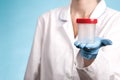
column 90, row 51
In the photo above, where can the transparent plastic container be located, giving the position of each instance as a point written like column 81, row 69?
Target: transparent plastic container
column 86, row 30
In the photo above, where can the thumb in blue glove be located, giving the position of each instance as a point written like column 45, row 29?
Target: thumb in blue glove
column 90, row 50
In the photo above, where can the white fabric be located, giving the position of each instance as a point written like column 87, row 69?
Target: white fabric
column 54, row 56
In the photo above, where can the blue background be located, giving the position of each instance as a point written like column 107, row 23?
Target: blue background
column 17, row 26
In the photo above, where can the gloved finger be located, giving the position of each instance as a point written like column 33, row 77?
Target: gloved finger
column 105, row 42
column 82, row 45
column 79, row 45
column 94, row 45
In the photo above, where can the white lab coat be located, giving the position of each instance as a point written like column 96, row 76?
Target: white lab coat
column 54, row 56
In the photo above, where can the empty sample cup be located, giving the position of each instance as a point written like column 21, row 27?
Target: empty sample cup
column 86, row 30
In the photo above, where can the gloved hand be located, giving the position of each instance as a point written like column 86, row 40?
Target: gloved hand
column 90, row 51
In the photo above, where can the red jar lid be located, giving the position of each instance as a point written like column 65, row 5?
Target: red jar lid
column 86, row 20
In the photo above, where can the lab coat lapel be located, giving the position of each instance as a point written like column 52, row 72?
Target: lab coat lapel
column 99, row 10
column 67, row 24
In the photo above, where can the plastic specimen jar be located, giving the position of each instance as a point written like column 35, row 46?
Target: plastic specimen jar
column 86, row 30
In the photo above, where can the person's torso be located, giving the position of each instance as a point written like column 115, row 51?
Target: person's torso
column 58, row 50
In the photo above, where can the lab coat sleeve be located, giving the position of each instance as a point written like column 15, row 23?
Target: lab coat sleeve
column 33, row 67
column 96, row 70
column 106, row 66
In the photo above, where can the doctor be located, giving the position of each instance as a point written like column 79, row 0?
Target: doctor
column 57, row 55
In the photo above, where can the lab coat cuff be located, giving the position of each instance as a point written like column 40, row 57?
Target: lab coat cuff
column 79, row 62
column 99, row 59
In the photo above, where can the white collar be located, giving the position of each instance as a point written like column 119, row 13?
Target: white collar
column 98, row 11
